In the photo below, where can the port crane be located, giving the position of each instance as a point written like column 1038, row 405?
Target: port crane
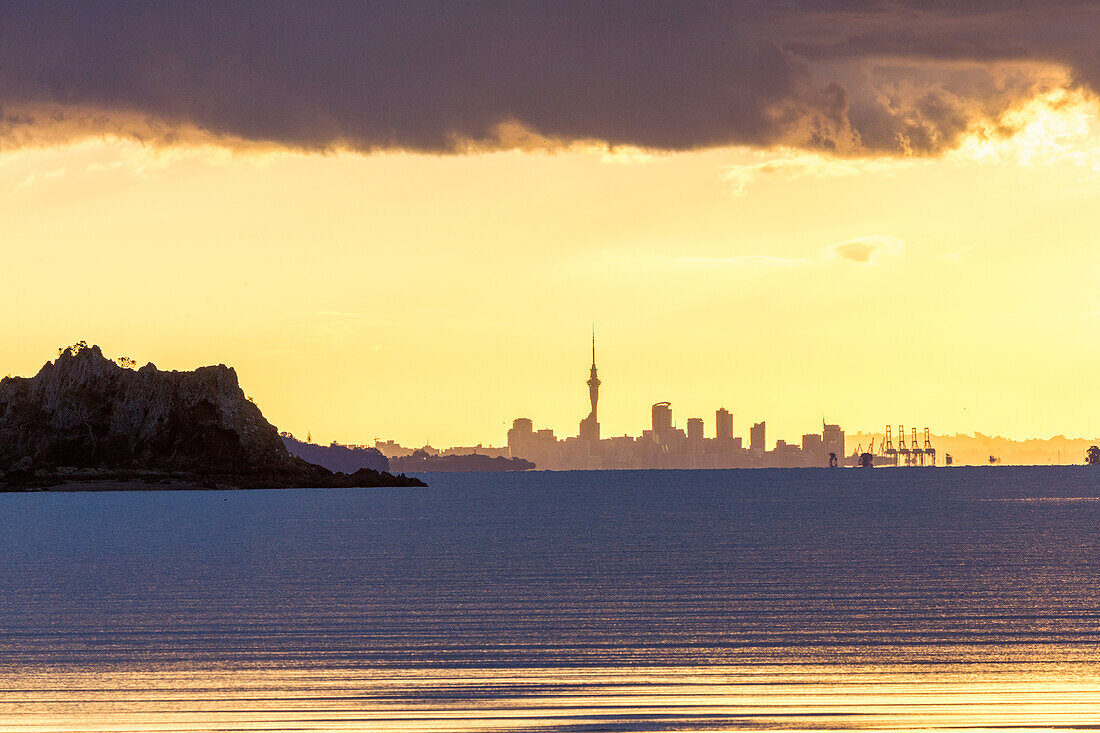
column 903, row 449
column 909, row 451
column 928, row 449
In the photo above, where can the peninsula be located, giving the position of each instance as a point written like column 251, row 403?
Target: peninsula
column 85, row 422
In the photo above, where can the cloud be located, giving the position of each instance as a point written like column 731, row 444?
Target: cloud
column 754, row 262
column 736, row 261
column 958, row 254
column 791, row 165
column 36, row 179
column 1052, row 129
column 839, row 76
column 866, row 250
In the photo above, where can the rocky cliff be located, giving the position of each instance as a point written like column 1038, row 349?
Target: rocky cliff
column 84, row 412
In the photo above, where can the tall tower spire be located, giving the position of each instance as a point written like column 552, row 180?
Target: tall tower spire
column 593, row 380
column 590, row 427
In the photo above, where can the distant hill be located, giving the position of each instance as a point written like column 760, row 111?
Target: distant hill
column 85, row 418
column 337, row 457
column 422, row 461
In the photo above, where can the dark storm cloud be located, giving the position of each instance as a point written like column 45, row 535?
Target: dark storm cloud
column 433, row 75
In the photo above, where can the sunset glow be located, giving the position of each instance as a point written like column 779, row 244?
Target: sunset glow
column 806, row 222
column 557, row 365
column 954, row 289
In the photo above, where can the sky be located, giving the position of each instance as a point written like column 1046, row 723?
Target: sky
column 401, row 221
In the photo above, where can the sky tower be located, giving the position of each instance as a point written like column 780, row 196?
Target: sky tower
column 590, row 427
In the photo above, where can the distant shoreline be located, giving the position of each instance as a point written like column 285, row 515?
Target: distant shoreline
column 147, row 480
column 107, row 487
column 917, row 470
column 151, row 483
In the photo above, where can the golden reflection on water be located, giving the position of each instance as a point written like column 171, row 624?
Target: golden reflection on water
column 769, row 601
column 786, row 697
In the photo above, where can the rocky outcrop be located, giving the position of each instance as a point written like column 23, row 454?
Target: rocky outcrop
column 421, row 461
column 337, row 457
column 85, row 413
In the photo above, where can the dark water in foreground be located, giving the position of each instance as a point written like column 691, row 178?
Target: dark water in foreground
column 619, row 601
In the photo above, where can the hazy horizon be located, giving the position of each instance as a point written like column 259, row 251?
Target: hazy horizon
column 854, row 433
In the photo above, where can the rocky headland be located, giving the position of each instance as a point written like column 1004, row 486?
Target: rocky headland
column 87, row 422
column 421, row 461
column 335, row 456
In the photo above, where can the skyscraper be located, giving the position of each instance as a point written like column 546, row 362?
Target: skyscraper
column 519, row 437
column 813, row 450
column 757, row 438
column 662, row 417
column 723, row 424
column 590, row 426
column 833, row 438
column 695, row 428
column 695, row 434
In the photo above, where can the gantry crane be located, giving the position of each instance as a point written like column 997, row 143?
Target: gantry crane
column 928, row 449
column 909, row 451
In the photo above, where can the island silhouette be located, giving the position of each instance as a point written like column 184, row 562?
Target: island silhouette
column 92, row 423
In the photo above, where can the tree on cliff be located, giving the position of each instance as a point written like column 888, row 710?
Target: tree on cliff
column 74, row 349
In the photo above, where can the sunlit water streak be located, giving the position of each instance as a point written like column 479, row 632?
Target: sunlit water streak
column 650, row 601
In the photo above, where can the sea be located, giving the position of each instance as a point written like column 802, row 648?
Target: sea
column 788, row 599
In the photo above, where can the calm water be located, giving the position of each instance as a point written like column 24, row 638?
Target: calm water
column 618, row 601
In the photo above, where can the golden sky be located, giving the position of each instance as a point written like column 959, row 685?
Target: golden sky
column 420, row 297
